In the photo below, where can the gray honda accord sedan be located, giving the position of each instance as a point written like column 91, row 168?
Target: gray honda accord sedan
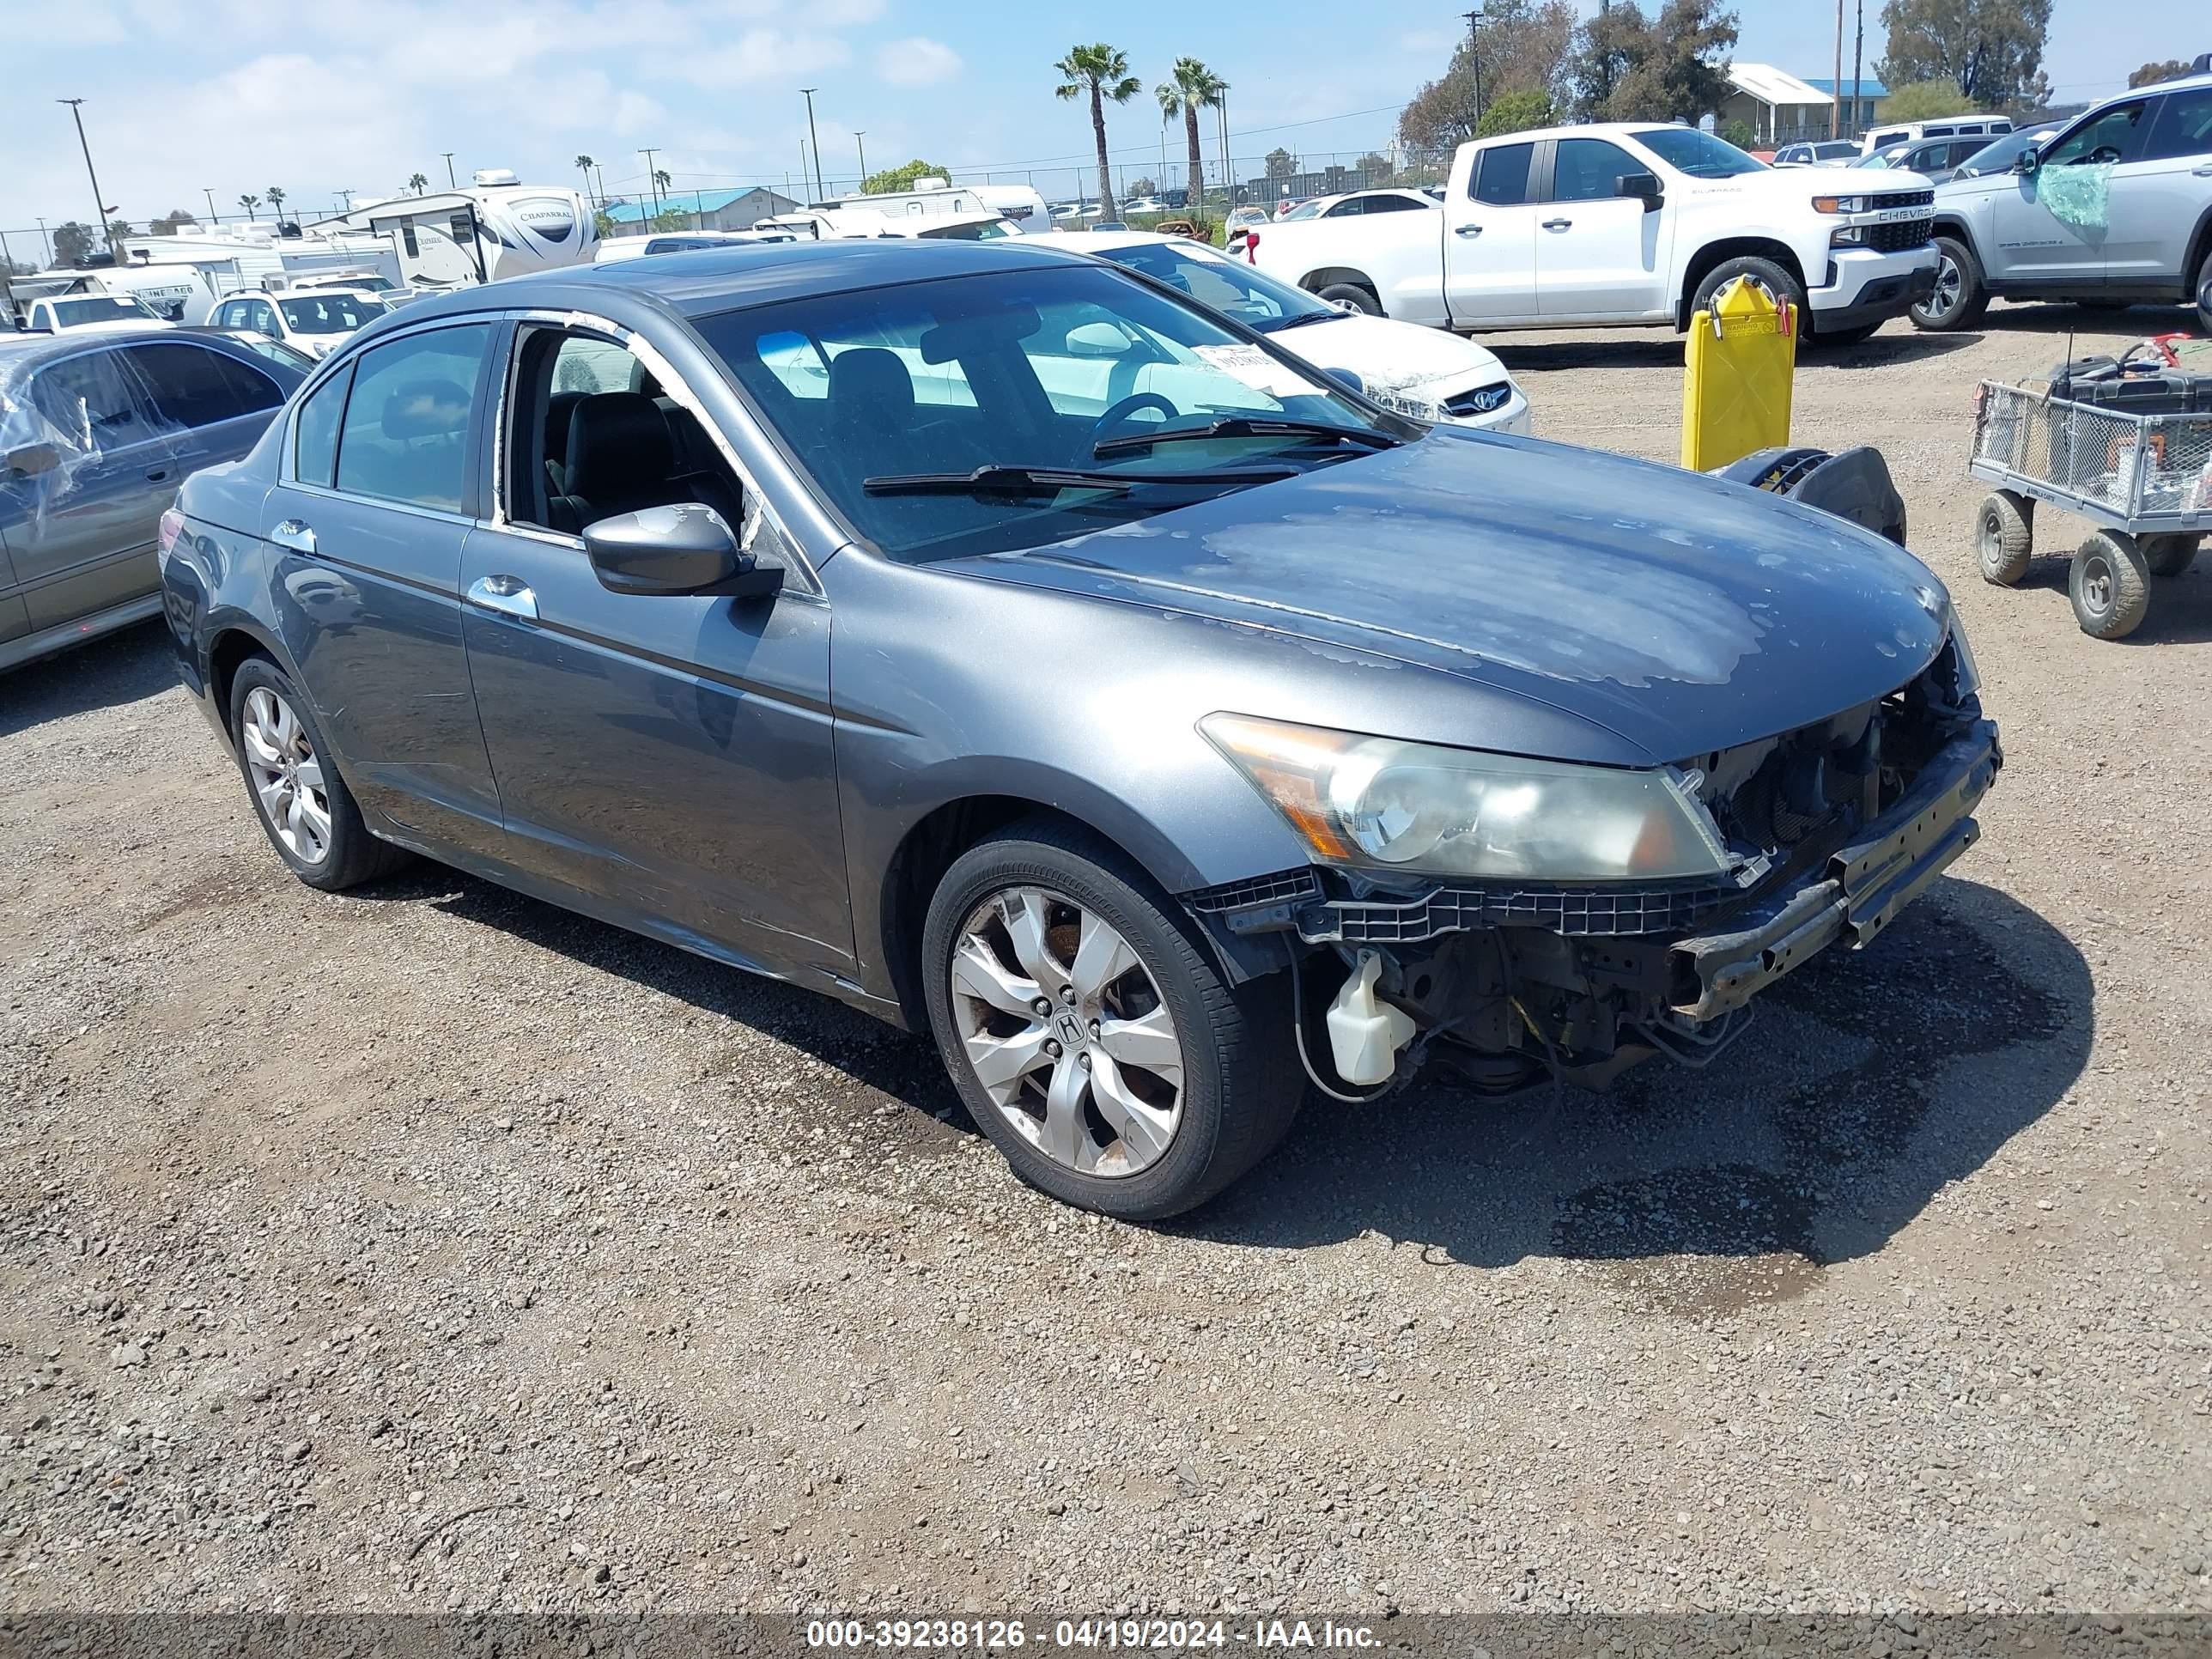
column 997, row 640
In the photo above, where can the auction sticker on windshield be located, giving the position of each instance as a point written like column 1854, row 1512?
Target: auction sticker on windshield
column 1255, row 368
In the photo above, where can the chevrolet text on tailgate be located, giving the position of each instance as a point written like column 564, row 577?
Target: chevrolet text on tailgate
column 1001, row 642
column 1583, row 227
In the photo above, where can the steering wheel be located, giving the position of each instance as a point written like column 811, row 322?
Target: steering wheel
column 1120, row 413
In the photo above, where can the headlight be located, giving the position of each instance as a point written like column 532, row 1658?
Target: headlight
column 1970, row 672
column 1378, row 801
column 1839, row 203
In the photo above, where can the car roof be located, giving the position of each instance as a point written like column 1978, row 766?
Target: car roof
column 703, row 281
column 31, row 349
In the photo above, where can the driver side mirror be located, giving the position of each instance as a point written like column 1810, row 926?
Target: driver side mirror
column 31, row 460
column 1644, row 187
column 685, row 550
column 2028, row 160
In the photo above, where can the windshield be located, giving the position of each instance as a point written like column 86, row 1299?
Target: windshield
column 1230, row 285
column 103, row 308
column 1699, row 154
column 275, row 350
column 1998, row 155
column 329, row 313
column 1029, row 369
column 1305, row 210
column 371, row 284
column 1883, row 158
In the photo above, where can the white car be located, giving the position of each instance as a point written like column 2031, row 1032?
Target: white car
column 1401, row 365
column 1826, row 153
column 313, row 320
column 90, row 313
column 1145, row 205
column 612, row 248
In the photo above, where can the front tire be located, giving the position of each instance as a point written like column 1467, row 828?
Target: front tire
column 1356, row 295
column 1959, row 298
column 2109, row 585
column 1089, row 1033
column 1781, row 287
column 306, row 810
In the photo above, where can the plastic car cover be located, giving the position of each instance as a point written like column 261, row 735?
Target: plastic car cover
column 2079, row 196
column 28, row 422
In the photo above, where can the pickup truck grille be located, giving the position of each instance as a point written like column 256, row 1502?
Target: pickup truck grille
column 1898, row 198
column 1899, row 234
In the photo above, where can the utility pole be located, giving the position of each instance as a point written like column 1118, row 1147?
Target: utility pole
column 98, row 200
column 820, row 194
column 210, row 196
column 46, row 242
column 1836, row 109
column 347, row 195
column 1228, row 175
column 652, row 179
column 1858, row 50
column 863, row 148
column 1475, row 20
column 450, row 184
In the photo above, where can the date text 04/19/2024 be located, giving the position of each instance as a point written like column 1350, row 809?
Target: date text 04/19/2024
column 1004, row 1635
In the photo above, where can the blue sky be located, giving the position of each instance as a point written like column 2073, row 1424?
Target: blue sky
column 233, row 96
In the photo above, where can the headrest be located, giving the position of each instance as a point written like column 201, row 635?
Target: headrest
column 617, row 438
column 870, row 381
column 424, row 409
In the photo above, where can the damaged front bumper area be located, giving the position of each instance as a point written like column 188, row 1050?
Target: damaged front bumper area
column 1837, row 828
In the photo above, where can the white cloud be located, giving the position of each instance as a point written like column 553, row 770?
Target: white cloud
column 917, row 61
column 762, row 54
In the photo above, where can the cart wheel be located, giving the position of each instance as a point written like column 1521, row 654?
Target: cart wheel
column 2109, row 586
column 2170, row 556
column 2004, row 536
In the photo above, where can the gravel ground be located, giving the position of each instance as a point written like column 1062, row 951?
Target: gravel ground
column 326, row 1219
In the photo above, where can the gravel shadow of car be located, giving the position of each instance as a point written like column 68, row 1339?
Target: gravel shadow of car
column 1871, row 1081
column 128, row 665
column 1635, row 351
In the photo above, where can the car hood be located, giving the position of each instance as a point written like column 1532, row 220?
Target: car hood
column 1392, row 356
column 1682, row 613
column 1795, row 187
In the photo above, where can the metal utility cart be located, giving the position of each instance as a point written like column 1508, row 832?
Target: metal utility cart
column 2143, row 477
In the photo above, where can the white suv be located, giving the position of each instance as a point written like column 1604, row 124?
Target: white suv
column 312, row 320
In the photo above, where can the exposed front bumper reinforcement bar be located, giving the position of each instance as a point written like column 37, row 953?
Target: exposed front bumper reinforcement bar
column 1856, row 893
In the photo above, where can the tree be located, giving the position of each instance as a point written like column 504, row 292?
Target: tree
column 117, row 230
column 585, row 162
column 1522, row 48
column 891, row 179
column 1103, row 73
column 605, row 222
column 418, row 182
column 671, row 219
column 170, row 222
column 249, row 202
column 1373, row 164
column 1194, row 88
column 1672, row 68
column 1924, row 100
column 275, row 202
column 1736, row 130
column 73, row 243
column 1990, row 50
column 662, row 179
column 2151, row 74
column 1516, row 111
column 1143, row 184
column 1281, row 164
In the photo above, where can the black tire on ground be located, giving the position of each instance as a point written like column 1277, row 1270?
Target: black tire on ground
column 1838, row 338
column 2203, row 292
column 1775, row 279
column 351, row 855
column 2170, row 556
column 2109, row 586
column 2004, row 536
column 1241, row 1083
column 1358, row 296
column 1959, row 298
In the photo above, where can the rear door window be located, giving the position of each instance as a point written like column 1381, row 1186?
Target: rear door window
column 406, row 430
column 2184, row 126
column 1501, row 176
column 90, row 402
column 192, row 386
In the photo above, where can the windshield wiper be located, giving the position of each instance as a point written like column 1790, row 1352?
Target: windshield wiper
column 1247, row 426
column 1051, row 480
column 1276, row 325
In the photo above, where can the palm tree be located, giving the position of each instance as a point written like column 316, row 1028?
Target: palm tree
column 418, row 182
column 1103, row 73
column 275, row 202
column 661, row 180
column 249, row 202
column 1194, row 88
column 586, row 163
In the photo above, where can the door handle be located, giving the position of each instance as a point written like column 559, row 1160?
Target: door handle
column 294, row 534
column 509, row 595
column 2204, row 172
column 1557, row 224
column 157, row 475
column 1466, row 230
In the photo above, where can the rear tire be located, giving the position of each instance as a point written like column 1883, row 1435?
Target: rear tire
column 1213, row 1066
column 1358, row 296
column 1959, row 298
column 1779, row 284
column 2004, row 536
column 2203, row 292
column 2170, row 556
column 2109, row 586
column 304, row 806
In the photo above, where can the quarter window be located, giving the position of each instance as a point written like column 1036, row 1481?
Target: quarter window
column 315, row 434
column 405, row 437
column 1502, row 177
column 1587, row 169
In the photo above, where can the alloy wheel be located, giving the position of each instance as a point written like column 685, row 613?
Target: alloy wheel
column 1066, row 1031
column 1950, row 280
column 287, row 776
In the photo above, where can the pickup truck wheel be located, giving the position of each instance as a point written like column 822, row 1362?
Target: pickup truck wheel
column 2109, row 585
column 1960, row 299
column 2170, row 556
column 1780, row 285
column 2004, row 536
column 1359, row 297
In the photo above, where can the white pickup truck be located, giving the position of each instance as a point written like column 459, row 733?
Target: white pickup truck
column 1583, row 226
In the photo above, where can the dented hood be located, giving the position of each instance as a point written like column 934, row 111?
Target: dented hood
column 1681, row 612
